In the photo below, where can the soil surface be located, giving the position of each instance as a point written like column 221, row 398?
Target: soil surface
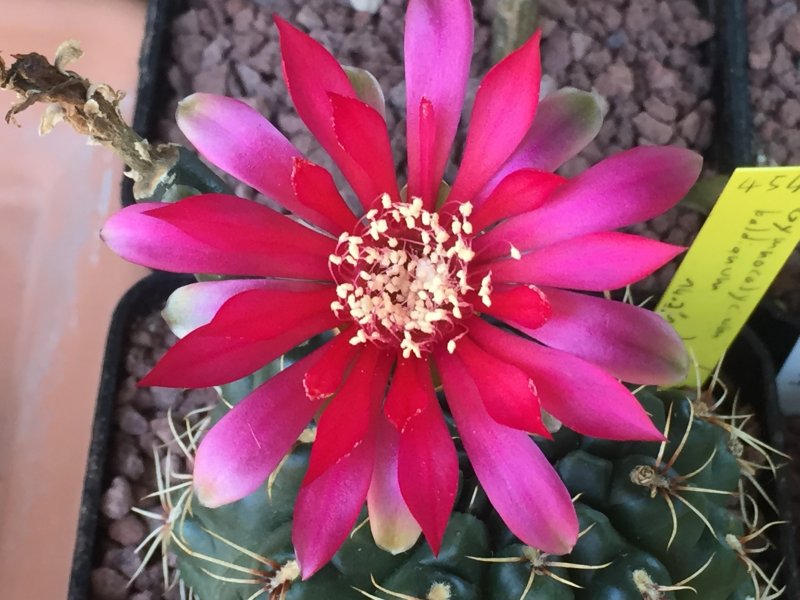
column 774, row 35
column 773, row 28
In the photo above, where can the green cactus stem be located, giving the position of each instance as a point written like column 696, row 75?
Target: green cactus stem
column 659, row 521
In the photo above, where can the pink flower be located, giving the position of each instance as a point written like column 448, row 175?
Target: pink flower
column 408, row 285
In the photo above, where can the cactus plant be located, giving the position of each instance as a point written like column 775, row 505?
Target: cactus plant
column 658, row 521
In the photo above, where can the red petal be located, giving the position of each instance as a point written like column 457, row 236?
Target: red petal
column 362, row 134
column 410, row 393
column 325, row 377
column 438, row 32
column 315, row 189
column 311, row 74
column 428, row 473
column 521, row 484
column 509, row 394
column 350, row 416
column 195, row 304
column 427, row 460
column 248, row 331
column 341, row 465
column 577, row 393
column 520, row 192
column 327, row 508
column 247, row 444
column 427, row 187
column 521, row 306
column 502, row 114
column 594, row 262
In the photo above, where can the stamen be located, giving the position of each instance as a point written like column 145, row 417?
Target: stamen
column 403, row 276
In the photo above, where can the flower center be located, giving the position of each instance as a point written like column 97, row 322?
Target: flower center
column 403, row 276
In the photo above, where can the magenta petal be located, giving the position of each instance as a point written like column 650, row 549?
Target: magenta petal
column 246, row 445
column 193, row 305
column 317, row 190
column 631, row 343
column 520, row 192
column 579, row 394
column 248, row 331
column 521, row 484
column 438, row 32
column 505, row 105
column 594, row 262
column 523, row 306
column 240, row 141
column 393, row 527
column 362, row 134
column 427, row 461
column 341, row 464
column 327, row 508
column 566, row 121
column 508, row 394
column 627, row 188
column 215, row 233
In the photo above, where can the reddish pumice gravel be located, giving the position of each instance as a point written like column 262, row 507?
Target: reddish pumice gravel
column 646, row 58
column 773, row 28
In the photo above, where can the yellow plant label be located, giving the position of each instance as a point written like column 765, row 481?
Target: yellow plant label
column 751, row 231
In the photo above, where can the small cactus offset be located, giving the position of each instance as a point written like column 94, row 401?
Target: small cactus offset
column 675, row 520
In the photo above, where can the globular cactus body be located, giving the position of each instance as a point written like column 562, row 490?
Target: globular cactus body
column 658, row 522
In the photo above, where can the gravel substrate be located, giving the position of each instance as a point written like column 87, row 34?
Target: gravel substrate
column 140, row 417
column 773, row 28
column 646, row 58
column 774, row 37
